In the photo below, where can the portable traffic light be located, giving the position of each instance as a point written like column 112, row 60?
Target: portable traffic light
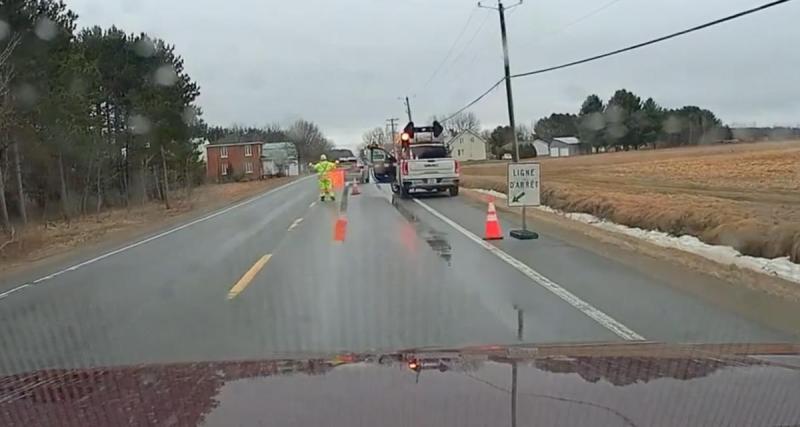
column 408, row 132
column 437, row 128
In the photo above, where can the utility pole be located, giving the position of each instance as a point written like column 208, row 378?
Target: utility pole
column 523, row 234
column 408, row 109
column 507, row 70
column 392, row 123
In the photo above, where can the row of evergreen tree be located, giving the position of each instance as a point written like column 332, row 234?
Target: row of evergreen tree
column 95, row 118
column 627, row 122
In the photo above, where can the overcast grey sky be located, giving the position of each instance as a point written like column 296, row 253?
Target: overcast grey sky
column 344, row 63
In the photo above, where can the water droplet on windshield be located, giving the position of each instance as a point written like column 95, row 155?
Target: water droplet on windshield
column 166, row 76
column 673, row 124
column 617, row 131
column 26, row 95
column 78, row 86
column 4, row 29
column 46, row 29
column 595, row 121
column 145, row 47
column 190, row 115
column 139, row 124
column 615, row 114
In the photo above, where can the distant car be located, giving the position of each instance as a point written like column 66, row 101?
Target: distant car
column 353, row 166
column 507, row 156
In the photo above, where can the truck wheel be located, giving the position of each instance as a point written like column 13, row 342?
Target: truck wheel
column 454, row 191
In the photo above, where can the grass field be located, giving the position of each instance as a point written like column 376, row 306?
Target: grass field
column 746, row 196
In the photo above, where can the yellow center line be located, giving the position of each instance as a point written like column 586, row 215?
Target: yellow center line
column 248, row 277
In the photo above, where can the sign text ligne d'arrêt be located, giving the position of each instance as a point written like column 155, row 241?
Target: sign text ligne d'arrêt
column 523, row 184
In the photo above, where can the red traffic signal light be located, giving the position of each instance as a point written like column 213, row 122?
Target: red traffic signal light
column 408, row 132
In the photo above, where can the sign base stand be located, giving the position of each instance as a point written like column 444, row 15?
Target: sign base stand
column 524, row 234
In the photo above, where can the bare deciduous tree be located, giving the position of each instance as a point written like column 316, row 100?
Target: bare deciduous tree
column 465, row 121
column 376, row 136
column 308, row 139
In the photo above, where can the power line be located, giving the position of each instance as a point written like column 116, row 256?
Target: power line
column 653, row 41
column 475, row 101
column 471, row 40
column 450, row 51
column 580, row 19
column 626, row 49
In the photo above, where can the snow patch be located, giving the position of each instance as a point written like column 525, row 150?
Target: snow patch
column 778, row 267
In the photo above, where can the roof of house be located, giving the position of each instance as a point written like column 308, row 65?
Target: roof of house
column 570, row 140
column 220, row 144
column 465, row 131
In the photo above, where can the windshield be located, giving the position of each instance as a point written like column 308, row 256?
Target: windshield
column 197, row 194
column 429, row 152
column 340, row 153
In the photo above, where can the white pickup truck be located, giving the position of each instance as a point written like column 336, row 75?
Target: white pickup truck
column 420, row 161
column 429, row 168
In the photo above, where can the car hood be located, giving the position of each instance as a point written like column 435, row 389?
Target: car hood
column 611, row 384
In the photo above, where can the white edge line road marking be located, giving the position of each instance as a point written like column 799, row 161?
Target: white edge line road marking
column 598, row 316
column 295, row 223
column 18, row 288
column 151, row 238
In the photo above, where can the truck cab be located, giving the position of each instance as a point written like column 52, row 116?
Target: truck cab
column 421, row 162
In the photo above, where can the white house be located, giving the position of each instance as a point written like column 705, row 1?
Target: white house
column 467, row 145
column 200, row 144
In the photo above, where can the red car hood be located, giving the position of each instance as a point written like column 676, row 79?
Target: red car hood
column 616, row 384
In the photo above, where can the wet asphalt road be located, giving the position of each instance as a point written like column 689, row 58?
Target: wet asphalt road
column 403, row 278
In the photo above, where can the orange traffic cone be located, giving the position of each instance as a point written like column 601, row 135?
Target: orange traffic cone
column 493, row 231
column 340, row 229
column 354, row 191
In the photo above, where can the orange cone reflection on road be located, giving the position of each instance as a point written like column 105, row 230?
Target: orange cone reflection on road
column 340, row 229
column 493, row 231
column 337, row 178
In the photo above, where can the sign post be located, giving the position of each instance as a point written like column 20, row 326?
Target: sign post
column 523, row 190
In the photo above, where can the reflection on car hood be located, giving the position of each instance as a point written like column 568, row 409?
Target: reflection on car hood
column 613, row 384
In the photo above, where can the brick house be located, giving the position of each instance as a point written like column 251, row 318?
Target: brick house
column 233, row 161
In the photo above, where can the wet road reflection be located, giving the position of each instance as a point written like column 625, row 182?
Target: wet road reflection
column 216, row 393
column 436, row 239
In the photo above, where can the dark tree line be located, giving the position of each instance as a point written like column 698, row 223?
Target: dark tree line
column 98, row 118
column 627, row 122
column 89, row 119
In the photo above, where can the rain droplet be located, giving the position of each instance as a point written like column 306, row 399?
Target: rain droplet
column 78, row 86
column 165, row 75
column 190, row 115
column 616, row 131
column 145, row 47
column 26, row 95
column 46, row 29
column 595, row 121
column 4, row 29
column 139, row 124
column 615, row 114
column 673, row 124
